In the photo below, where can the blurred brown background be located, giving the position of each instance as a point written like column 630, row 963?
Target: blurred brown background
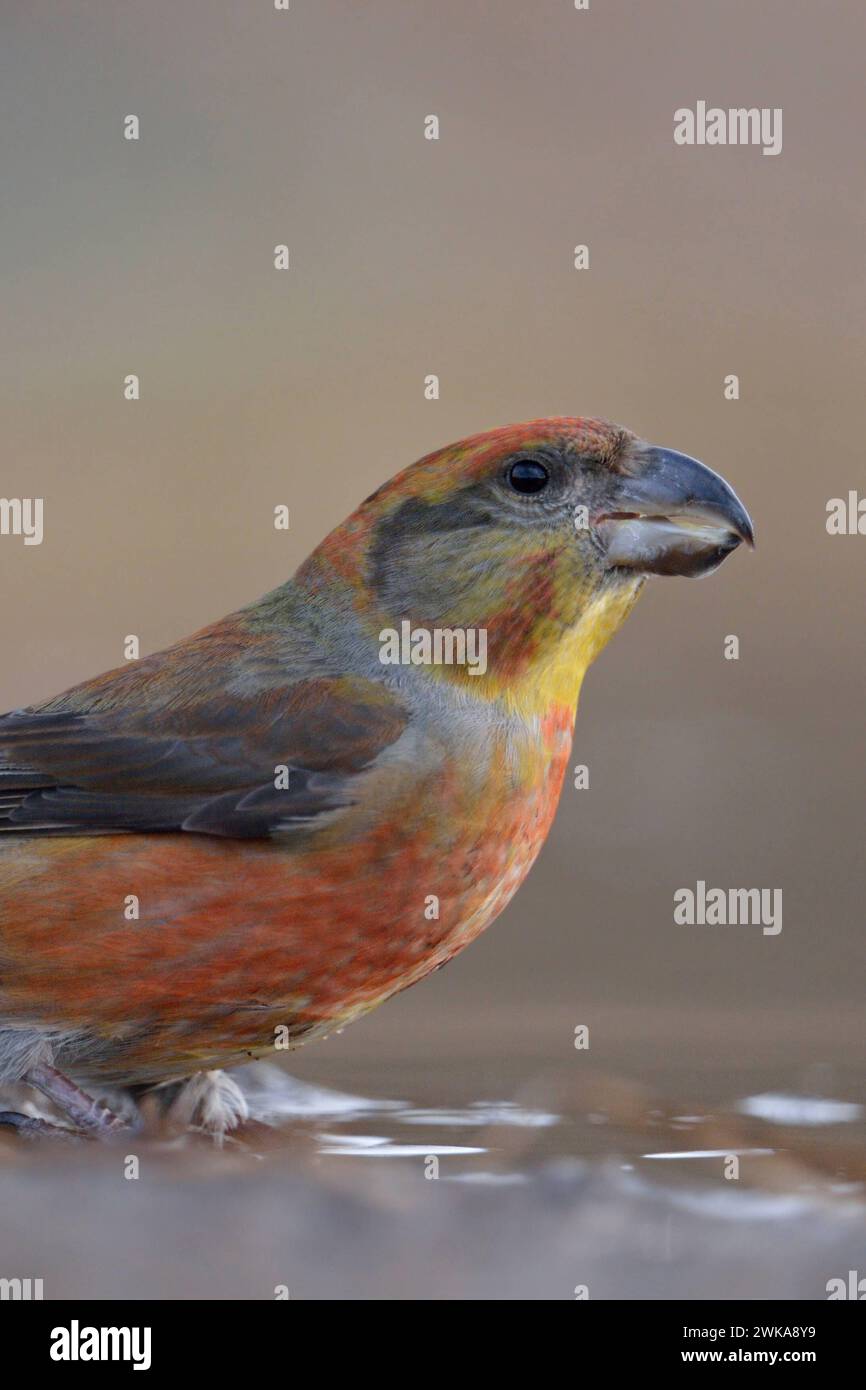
column 411, row 257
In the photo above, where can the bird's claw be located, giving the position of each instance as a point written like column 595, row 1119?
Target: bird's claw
column 30, row 1127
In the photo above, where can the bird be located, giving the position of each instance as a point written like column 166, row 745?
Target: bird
column 318, row 800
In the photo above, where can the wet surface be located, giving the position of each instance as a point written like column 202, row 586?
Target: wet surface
column 808, row 1143
column 472, row 1178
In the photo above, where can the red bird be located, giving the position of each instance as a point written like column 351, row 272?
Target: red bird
column 321, row 798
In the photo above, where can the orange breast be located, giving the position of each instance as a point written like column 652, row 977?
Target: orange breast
column 235, row 939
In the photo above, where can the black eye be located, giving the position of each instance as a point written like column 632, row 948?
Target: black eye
column 528, row 475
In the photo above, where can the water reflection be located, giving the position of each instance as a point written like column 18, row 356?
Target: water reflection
column 570, row 1180
column 598, row 1118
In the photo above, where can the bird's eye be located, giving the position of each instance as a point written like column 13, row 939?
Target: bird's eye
column 528, row 475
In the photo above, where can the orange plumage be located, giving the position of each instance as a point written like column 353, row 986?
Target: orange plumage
column 306, row 828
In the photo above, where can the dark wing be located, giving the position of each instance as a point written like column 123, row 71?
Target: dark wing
column 241, row 767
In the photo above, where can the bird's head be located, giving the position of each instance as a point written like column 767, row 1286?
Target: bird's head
column 539, row 534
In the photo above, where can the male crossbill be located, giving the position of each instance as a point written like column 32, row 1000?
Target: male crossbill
column 308, row 827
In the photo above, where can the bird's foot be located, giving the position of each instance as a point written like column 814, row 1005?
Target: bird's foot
column 90, row 1117
column 29, row 1127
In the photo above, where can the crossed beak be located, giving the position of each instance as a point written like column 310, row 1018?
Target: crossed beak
column 670, row 514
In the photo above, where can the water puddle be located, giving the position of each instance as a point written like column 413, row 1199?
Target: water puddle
column 797, row 1143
